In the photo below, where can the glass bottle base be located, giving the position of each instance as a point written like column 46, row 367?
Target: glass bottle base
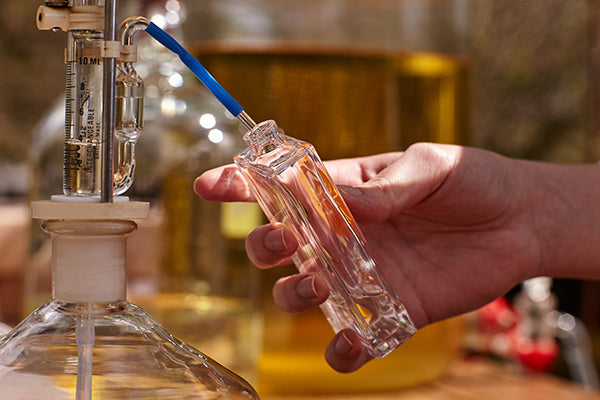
column 132, row 357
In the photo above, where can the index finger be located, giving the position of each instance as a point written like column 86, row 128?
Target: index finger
column 224, row 183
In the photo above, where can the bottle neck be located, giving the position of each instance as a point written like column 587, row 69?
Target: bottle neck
column 89, row 259
column 264, row 138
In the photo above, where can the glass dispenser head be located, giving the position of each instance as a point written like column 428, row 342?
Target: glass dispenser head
column 85, row 56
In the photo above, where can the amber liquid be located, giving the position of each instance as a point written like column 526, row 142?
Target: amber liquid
column 346, row 104
column 342, row 102
column 433, row 99
column 82, row 168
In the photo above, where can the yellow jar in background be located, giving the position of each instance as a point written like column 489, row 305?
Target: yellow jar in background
column 293, row 358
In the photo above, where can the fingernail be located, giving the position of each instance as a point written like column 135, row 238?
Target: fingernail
column 306, row 288
column 343, row 345
column 275, row 240
column 349, row 190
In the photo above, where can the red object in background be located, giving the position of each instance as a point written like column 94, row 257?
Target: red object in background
column 536, row 355
column 497, row 317
column 499, row 326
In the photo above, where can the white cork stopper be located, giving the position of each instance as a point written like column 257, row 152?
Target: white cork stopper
column 89, row 269
column 89, row 259
column 89, row 247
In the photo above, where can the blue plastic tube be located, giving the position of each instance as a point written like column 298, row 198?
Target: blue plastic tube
column 197, row 69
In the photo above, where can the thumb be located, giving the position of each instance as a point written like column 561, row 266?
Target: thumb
column 406, row 182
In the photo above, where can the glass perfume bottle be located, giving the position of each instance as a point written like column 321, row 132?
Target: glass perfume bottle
column 293, row 187
column 88, row 342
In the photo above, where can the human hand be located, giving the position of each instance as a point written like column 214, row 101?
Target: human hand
column 451, row 228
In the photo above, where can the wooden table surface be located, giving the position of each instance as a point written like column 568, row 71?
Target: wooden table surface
column 474, row 380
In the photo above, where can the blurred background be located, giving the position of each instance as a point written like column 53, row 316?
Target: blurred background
column 519, row 78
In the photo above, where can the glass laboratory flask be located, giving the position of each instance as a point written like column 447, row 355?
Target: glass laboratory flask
column 186, row 264
column 88, row 342
column 330, row 72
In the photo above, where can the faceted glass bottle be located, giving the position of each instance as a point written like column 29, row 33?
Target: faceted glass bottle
column 293, row 187
column 89, row 342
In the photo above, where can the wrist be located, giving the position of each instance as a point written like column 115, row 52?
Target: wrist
column 565, row 216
